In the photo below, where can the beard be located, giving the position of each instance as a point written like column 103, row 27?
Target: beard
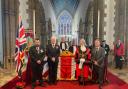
column 37, row 45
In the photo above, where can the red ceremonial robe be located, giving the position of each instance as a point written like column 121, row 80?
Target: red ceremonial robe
column 86, row 70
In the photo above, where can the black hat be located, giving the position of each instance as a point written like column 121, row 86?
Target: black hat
column 103, row 40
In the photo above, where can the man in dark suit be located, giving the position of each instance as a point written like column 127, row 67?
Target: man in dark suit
column 98, row 55
column 37, row 54
column 53, row 52
column 107, row 49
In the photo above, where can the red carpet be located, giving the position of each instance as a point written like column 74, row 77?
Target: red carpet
column 66, row 85
column 115, row 80
column 124, row 86
column 115, row 83
column 112, row 86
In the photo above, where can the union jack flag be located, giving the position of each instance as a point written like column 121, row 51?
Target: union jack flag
column 20, row 46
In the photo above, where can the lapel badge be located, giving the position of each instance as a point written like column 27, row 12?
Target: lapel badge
column 41, row 51
column 57, row 47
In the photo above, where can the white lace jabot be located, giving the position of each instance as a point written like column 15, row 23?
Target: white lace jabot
column 83, row 48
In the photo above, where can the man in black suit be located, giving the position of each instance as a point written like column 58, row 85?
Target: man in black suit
column 98, row 55
column 37, row 54
column 107, row 49
column 53, row 52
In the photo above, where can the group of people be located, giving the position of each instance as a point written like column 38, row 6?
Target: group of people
column 38, row 56
column 85, row 57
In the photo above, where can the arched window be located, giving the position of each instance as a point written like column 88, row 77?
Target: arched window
column 65, row 24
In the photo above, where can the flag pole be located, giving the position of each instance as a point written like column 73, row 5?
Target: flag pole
column 34, row 23
column 98, row 24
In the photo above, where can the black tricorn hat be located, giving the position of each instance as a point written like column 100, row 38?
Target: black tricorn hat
column 103, row 40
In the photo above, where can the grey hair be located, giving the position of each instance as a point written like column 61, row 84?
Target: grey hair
column 83, row 41
column 53, row 37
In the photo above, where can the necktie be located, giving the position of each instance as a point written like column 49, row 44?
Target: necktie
column 37, row 48
column 96, row 52
column 97, row 49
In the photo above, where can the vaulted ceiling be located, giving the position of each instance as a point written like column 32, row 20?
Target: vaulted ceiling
column 69, row 5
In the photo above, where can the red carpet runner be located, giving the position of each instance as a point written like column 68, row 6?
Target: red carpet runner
column 115, row 83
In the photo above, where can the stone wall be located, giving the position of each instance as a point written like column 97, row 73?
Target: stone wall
column 10, row 23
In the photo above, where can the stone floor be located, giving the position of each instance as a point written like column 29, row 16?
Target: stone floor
column 122, row 74
column 7, row 75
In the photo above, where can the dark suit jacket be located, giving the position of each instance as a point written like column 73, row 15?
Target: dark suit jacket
column 53, row 52
column 98, row 56
column 107, row 49
column 34, row 55
column 71, row 49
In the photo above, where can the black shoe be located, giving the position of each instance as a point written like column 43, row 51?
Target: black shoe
column 100, row 87
column 50, row 83
column 42, row 85
column 120, row 68
column 33, row 86
column 96, row 82
column 116, row 67
column 55, row 83
column 107, row 81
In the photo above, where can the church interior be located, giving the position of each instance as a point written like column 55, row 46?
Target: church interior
column 72, row 19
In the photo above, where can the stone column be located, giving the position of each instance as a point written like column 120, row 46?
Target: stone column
column 98, row 6
column 109, row 19
column 126, row 27
column 6, row 33
column 1, row 35
column 121, row 21
column 89, row 24
column 95, row 18
column 9, row 29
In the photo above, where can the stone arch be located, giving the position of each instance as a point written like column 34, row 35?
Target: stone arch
column 39, row 17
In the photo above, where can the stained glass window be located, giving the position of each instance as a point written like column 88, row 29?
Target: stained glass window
column 65, row 24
